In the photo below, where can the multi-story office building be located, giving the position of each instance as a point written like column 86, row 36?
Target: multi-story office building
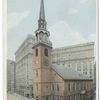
column 24, row 71
column 78, row 57
column 11, row 76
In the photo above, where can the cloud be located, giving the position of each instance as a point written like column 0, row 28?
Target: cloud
column 72, row 11
column 14, row 19
column 92, row 37
column 63, row 35
column 83, row 1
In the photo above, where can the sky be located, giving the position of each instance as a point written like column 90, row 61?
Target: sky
column 69, row 22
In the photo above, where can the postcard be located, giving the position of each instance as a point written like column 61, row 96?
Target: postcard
column 51, row 50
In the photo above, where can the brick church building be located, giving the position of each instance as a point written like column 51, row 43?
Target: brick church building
column 51, row 81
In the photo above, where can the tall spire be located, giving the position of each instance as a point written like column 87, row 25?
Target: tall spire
column 42, row 34
column 42, row 12
column 42, row 21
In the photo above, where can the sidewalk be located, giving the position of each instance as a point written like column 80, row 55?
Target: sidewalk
column 16, row 97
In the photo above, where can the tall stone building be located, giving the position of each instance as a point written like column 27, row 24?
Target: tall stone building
column 24, row 71
column 11, row 76
column 50, row 81
column 78, row 57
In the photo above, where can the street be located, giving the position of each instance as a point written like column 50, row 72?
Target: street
column 16, row 97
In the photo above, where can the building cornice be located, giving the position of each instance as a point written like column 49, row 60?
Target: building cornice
column 75, row 46
column 43, row 44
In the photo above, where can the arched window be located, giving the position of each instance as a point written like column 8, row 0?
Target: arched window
column 37, row 36
column 46, row 52
column 36, row 52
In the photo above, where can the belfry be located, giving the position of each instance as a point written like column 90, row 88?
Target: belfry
column 42, row 35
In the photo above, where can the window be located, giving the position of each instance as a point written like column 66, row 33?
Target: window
column 90, row 76
column 47, row 86
column 40, row 36
column 36, row 52
column 36, row 36
column 69, row 98
column 46, row 52
column 63, row 64
column 53, row 98
column 90, row 72
column 36, row 73
column 36, row 97
column 79, row 67
column 32, row 95
column 52, row 86
column 57, row 87
column 47, row 98
column 87, row 86
column 73, row 97
column 69, row 86
column 37, row 86
column 28, row 95
column 77, row 86
column 79, row 96
column 84, row 85
column 73, row 86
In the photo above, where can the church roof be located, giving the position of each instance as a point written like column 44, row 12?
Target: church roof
column 69, row 73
